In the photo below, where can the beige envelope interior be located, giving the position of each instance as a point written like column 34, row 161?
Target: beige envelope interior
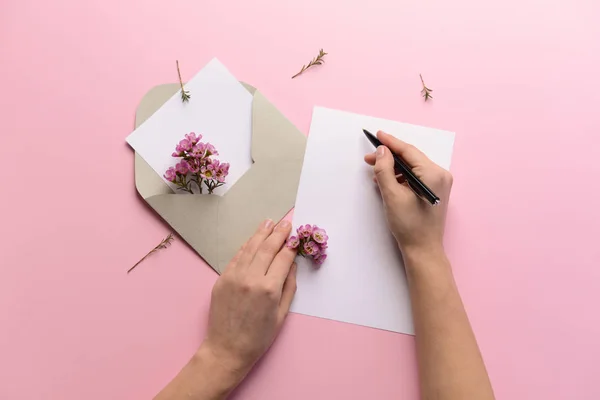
column 217, row 226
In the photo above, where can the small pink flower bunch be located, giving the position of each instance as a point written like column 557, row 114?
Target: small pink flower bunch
column 310, row 242
column 197, row 165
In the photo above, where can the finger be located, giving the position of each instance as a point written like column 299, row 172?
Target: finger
column 280, row 267
column 289, row 290
column 399, row 177
column 261, row 234
column 384, row 171
column 270, row 247
column 370, row 158
column 407, row 152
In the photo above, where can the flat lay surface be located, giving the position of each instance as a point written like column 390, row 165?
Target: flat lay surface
column 516, row 81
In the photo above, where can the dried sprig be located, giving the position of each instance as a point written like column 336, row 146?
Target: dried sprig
column 318, row 60
column 425, row 92
column 162, row 245
column 185, row 94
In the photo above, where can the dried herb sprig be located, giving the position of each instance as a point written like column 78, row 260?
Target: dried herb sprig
column 425, row 92
column 162, row 245
column 185, row 94
column 318, row 60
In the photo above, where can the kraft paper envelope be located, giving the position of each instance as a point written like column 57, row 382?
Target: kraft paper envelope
column 217, row 226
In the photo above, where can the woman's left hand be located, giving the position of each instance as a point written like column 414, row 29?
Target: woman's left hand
column 252, row 298
column 249, row 304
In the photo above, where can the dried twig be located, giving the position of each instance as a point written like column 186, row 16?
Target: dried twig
column 162, row 245
column 425, row 92
column 318, row 60
column 185, row 94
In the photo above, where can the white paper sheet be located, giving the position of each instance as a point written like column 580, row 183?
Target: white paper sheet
column 363, row 280
column 220, row 109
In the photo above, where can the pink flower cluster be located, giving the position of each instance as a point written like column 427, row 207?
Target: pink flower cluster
column 197, row 165
column 310, row 242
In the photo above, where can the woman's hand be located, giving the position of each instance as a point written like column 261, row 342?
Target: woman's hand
column 450, row 364
column 417, row 225
column 249, row 304
column 251, row 299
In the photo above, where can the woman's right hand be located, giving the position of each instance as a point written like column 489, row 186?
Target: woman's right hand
column 417, row 225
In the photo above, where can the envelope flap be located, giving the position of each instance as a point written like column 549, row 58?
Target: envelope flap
column 194, row 218
column 268, row 189
column 273, row 135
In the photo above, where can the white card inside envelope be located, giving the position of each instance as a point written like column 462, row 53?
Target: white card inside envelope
column 362, row 281
column 220, row 109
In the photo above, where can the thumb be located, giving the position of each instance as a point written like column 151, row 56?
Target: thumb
column 384, row 170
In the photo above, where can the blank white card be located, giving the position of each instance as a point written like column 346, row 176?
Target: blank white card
column 363, row 280
column 220, row 109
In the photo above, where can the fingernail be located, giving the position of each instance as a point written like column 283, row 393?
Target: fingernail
column 268, row 223
column 380, row 151
column 284, row 225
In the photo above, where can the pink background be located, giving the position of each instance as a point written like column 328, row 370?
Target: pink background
column 517, row 80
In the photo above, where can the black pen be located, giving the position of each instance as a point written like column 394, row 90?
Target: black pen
column 415, row 183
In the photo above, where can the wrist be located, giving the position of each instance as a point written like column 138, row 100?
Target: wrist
column 221, row 377
column 422, row 255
